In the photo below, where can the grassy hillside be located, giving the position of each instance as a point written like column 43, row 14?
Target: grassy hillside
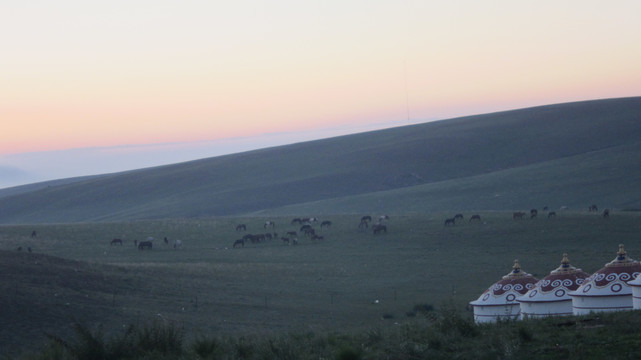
column 208, row 288
column 527, row 157
column 605, row 177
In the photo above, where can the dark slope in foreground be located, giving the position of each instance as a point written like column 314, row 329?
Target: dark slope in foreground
column 38, row 292
column 367, row 163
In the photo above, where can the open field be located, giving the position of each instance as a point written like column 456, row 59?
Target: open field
column 351, row 280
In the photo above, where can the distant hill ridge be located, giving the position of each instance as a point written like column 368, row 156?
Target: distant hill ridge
column 569, row 154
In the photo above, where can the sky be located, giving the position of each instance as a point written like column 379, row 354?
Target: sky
column 91, row 87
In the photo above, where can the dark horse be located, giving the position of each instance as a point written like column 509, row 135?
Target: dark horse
column 450, row 221
column 116, row 241
column 145, row 245
column 379, row 228
column 326, row 223
column 240, row 227
column 240, row 242
column 518, row 215
column 475, row 217
column 593, row 208
column 606, row 213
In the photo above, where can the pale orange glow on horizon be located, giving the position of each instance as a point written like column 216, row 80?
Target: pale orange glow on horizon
column 76, row 74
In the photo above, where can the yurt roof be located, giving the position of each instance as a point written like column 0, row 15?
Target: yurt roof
column 556, row 286
column 505, row 291
column 611, row 280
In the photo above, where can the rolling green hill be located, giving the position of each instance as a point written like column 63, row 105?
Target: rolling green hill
column 570, row 154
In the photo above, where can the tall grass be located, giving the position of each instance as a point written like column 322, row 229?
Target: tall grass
column 444, row 334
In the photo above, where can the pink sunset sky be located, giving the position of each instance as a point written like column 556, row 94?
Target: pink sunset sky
column 90, row 87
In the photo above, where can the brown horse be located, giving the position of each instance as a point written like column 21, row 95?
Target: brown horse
column 240, row 227
column 145, row 245
column 593, row 208
column 326, row 223
column 450, row 221
column 376, row 229
column 475, row 217
column 606, row 213
column 518, row 215
column 116, row 241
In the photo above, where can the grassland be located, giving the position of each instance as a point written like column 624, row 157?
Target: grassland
column 559, row 155
column 351, row 281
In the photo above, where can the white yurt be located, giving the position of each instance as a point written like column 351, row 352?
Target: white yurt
column 549, row 297
column 499, row 300
column 635, row 285
column 607, row 289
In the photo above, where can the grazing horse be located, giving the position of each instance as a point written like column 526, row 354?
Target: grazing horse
column 475, row 217
column 458, row 217
column 326, row 223
column 450, row 221
column 316, row 237
column 518, row 215
column 593, row 208
column 178, row 244
column 240, row 227
column 551, row 214
column 366, row 218
column 363, row 224
column 145, row 245
column 533, row 213
column 269, row 223
column 253, row 238
column 285, row 240
column 296, row 221
column 292, row 233
column 379, row 228
column 606, row 213
column 240, row 242
column 116, row 241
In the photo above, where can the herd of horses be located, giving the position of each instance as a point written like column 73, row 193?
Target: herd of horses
column 147, row 244
column 306, row 229
column 520, row 215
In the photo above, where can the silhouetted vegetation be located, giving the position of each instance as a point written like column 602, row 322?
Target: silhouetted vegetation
column 443, row 334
